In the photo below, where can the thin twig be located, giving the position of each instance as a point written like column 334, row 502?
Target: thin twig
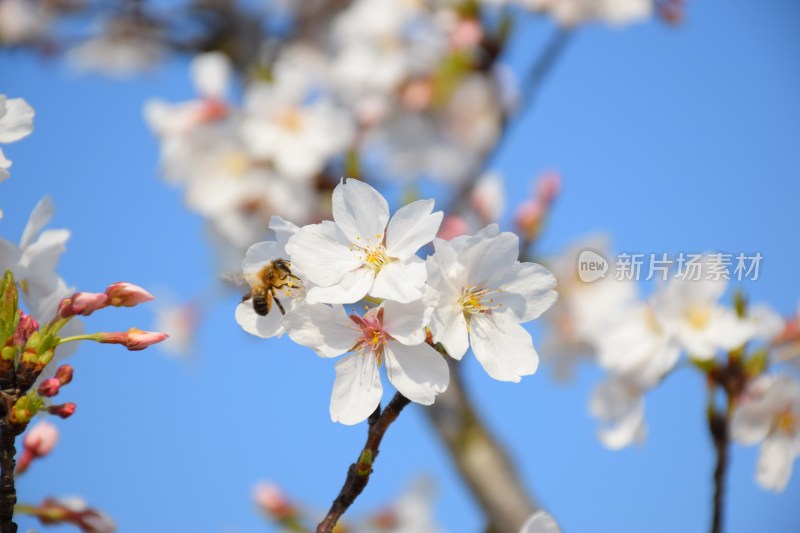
column 718, row 425
column 359, row 472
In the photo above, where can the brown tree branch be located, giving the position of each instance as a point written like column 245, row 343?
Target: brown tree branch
column 359, row 472
column 8, row 492
column 718, row 426
column 483, row 463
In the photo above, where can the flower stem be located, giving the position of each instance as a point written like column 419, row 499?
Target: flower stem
column 86, row 337
column 718, row 425
column 359, row 472
column 8, row 492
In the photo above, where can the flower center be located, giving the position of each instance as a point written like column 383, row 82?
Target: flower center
column 373, row 337
column 375, row 257
column 478, row 300
column 292, row 120
column 788, row 422
column 698, row 317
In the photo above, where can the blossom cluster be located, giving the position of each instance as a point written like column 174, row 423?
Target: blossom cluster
column 381, row 90
column 470, row 292
column 640, row 341
column 38, row 328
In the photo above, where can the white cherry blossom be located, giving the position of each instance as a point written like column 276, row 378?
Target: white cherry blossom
column 769, row 413
column 584, row 311
column 211, row 75
column 481, row 294
column 619, row 404
column 363, row 251
column 393, row 334
column 258, row 255
column 16, row 122
column 701, row 325
column 574, row 12
column 34, row 261
column 638, row 347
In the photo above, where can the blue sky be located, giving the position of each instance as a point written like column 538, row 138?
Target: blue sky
column 669, row 139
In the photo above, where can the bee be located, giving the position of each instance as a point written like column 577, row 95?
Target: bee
column 264, row 284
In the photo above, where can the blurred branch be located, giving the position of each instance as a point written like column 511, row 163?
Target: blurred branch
column 718, row 425
column 359, row 472
column 532, row 84
column 482, row 461
column 732, row 379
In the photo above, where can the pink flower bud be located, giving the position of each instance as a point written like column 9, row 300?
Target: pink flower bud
column 134, row 339
column 466, row 34
column 74, row 511
column 124, row 294
column 452, row 227
column 65, row 410
column 64, row 374
column 25, row 328
column 38, row 442
column 271, row 499
column 82, row 303
column 549, row 187
column 49, row 387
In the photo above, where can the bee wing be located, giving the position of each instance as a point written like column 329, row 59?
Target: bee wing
column 240, row 279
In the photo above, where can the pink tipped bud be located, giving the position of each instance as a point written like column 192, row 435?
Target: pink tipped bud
column 64, row 374
column 466, row 34
column 452, row 227
column 127, row 295
column 549, row 187
column 528, row 215
column 271, row 499
column 38, row 442
column 25, row 328
column 65, row 410
column 82, row 303
column 49, row 387
column 76, row 512
column 134, row 339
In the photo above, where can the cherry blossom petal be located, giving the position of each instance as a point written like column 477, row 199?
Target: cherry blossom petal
column 491, row 257
column 38, row 219
column 255, row 324
column 357, row 390
column 400, row 281
column 261, row 253
column 283, row 229
column 353, row 286
column 540, row 522
column 211, row 73
column 361, row 212
column 775, row 462
column 449, row 327
column 412, row 227
column 418, row 372
column 527, row 291
column 17, row 120
column 750, row 423
column 406, row 322
column 323, row 328
column 5, row 164
column 503, row 347
column 621, row 406
column 323, row 260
